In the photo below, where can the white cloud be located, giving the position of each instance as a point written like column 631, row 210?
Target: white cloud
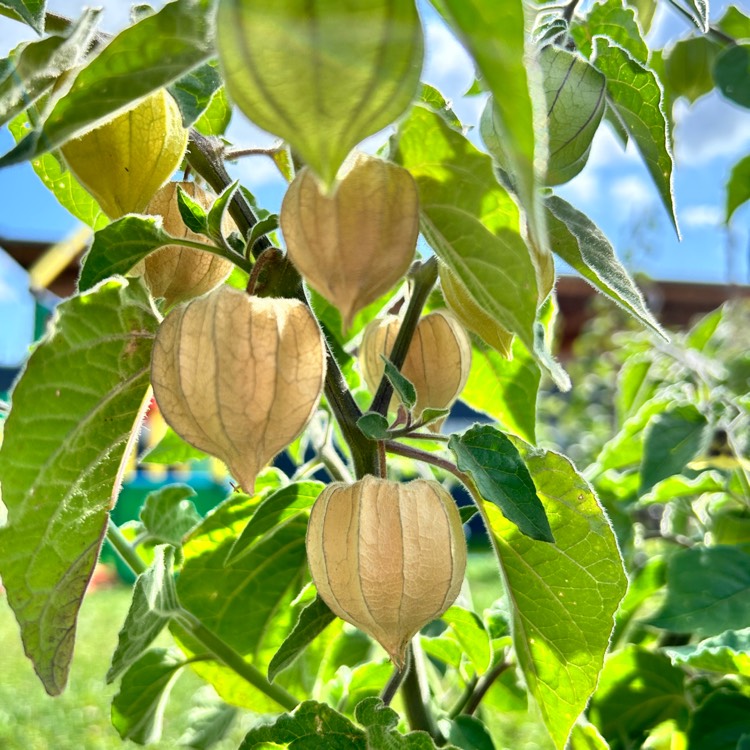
column 632, row 192
column 699, row 217
column 446, row 61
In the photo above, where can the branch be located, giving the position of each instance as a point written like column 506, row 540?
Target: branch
column 483, row 685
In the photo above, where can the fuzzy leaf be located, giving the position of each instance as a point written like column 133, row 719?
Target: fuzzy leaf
column 168, row 514
column 74, row 410
column 194, row 91
column 728, row 653
column 30, row 11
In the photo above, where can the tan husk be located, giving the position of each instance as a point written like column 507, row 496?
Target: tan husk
column 353, row 245
column 123, row 162
column 179, row 273
column 471, row 314
column 238, row 376
column 388, row 557
column 437, row 363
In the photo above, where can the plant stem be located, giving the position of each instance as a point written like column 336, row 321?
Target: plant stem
column 186, row 621
column 394, row 683
column 424, row 277
column 483, row 685
column 419, row 455
column 413, row 692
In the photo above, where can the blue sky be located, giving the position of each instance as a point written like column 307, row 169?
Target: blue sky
column 614, row 188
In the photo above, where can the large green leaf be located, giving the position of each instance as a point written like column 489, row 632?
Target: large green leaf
column 637, row 96
column 468, row 733
column 74, row 411
column 494, row 34
column 154, row 602
column 563, row 596
column 34, row 67
column 122, row 244
column 671, row 440
column 505, row 389
column 612, row 19
column 323, row 76
column 138, row 709
column 738, row 187
column 728, row 653
column 574, row 91
column 732, row 73
column 586, row 736
column 195, row 90
column 246, row 600
column 721, row 722
column 638, row 689
column 579, row 242
column 469, row 219
column 144, row 57
column 30, row 11
column 316, row 726
column 496, row 467
column 54, row 174
column 472, row 635
column 708, row 591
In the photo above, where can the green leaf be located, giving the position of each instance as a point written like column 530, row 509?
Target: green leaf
column 275, row 511
column 313, row 620
column 720, row 722
column 30, row 11
column 638, row 98
column 637, row 690
column 245, row 601
column 681, row 486
column 504, row 389
column 580, row 243
column 34, row 67
column 586, row 736
column 562, row 596
column 172, row 449
column 264, row 226
column 138, row 709
column 192, row 213
column 321, row 80
column 708, row 591
column 217, row 211
column 373, row 425
column 697, row 10
column 54, row 174
column 64, row 443
column 316, row 726
column 153, row 53
column 402, row 386
column 122, row 244
column 494, row 34
column 500, row 474
column 168, row 514
column 194, row 91
column 634, row 387
column 732, row 73
column 738, row 187
column 472, row 636
column 702, row 332
column 728, row 653
column 646, row 10
column 216, row 118
column 209, row 721
column 468, row 733
column 469, row 220
column 644, row 583
column 615, row 21
column 467, row 512
column 435, row 100
column 671, row 440
column 735, row 23
column 574, row 91
column 688, row 68
column 154, row 602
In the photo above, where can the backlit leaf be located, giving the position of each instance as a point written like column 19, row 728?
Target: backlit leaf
column 728, row 653
column 738, row 187
column 31, row 11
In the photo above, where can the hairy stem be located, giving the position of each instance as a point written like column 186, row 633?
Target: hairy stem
column 424, row 277
column 414, row 692
column 483, row 685
column 394, row 683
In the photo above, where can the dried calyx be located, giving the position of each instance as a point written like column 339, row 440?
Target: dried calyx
column 136, row 165
column 179, row 273
column 238, row 377
column 353, row 244
column 437, row 363
column 388, row 557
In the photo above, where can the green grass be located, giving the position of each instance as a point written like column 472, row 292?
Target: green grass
column 79, row 718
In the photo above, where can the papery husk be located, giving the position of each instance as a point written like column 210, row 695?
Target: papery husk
column 354, row 244
column 387, row 557
column 238, row 377
column 437, row 363
column 123, row 162
column 471, row 315
column 179, row 273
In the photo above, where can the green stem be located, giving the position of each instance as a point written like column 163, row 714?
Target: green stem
column 424, row 277
column 413, row 693
column 190, row 624
column 394, row 683
column 484, row 683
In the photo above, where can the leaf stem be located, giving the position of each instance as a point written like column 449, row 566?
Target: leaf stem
column 424, row 276
column 414, row 691
column 484, row 683
column 124, row 549
column 419, row 455
column 395, row 680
